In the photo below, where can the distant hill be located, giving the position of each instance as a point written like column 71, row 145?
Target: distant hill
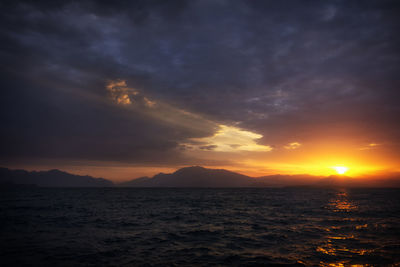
column 194, row 177
column 280, row 180
column 189, row 177
column 52, row 178
column 202, row 177
column 335, row 180
column 346, row 181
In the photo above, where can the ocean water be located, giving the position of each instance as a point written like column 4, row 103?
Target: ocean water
column 199, row 227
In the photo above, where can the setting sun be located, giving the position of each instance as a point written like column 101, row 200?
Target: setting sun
column 341, row 169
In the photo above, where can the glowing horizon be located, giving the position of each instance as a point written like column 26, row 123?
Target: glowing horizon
column 119, row 173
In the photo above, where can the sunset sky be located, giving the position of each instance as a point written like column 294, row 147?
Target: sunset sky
column 122, row 89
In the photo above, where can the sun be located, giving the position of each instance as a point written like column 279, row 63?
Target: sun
column 341, row 169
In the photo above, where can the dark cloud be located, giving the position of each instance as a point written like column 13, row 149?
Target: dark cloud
column 280, row 68
column 209, row 147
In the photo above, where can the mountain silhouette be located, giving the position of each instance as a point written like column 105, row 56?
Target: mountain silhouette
column 202, row 177
column 194, row 177
column 346, row 181
column 52, row 178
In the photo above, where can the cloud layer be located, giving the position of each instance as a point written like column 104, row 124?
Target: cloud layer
column 133, row 81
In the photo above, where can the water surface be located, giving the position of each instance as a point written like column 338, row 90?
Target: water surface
column 187, row 227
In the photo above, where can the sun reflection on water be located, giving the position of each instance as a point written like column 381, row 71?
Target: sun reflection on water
column 341, row 203
column 344, row 263
column 334, row 244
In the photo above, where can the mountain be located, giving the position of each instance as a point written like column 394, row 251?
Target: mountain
column 201, row 177
column 280, row 180
column 346, row 181
column 336, row 181
column 190, row 177
column 194, row 177
column 52, row 178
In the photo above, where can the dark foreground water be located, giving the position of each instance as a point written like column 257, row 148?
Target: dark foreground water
column 186, row 227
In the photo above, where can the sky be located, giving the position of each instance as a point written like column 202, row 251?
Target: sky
column 122, row 89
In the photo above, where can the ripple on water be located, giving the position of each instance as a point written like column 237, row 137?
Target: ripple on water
column 186, row 227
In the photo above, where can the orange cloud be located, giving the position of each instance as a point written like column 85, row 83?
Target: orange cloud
column 293, row 145
column 232, row 139
column 370, row 146
column 120, row 92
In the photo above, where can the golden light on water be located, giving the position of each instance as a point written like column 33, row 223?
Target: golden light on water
column 338, row 243
column 341, row 203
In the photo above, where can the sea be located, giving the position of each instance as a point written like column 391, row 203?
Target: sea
column 296, row 226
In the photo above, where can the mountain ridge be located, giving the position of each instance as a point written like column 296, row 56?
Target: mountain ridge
column 50, row 178
column 194, row 176
column 197, row 176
